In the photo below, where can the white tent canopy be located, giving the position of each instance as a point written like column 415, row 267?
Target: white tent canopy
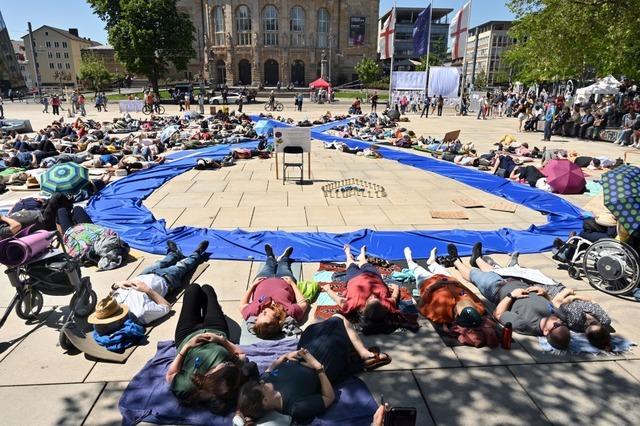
column 605, row 86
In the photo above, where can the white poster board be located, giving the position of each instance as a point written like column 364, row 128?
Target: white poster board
column 292, row 136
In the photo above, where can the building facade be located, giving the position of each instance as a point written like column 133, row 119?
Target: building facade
column 485, row 46
column 57, row 55
column 10, row 76
column 107, row 55
column 404, row 58
column 263, row 42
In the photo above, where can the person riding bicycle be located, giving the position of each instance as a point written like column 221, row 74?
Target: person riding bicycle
column 156, row 103
column 272, row 100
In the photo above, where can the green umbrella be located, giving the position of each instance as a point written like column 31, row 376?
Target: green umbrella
column 66, row 178
column 621, row 188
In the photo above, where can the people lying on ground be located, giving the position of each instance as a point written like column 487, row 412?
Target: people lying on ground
column 582, row 314
column 300, row 383
column 595, row 163
column 78, row 158
column 553, row 154
column 28, row 159
column 94, row 186
column 209, row 369
column 505, row 165
column 44, row 218
column 145, row 294
column 368, row 300
column 517, row 302
column 443, row 299
column 531, row 175
column 274, row 305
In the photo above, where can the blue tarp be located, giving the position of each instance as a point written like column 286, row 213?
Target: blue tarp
column 119, row 207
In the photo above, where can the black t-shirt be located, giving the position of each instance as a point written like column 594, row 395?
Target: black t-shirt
column 525, row 314
column 583, row 161
column 300, row 389
column 531, row 174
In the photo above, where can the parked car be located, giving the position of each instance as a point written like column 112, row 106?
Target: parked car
column 232, row 98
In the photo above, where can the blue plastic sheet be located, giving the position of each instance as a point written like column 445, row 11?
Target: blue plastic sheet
column 119, row 207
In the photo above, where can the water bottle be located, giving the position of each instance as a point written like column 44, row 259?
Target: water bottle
column 507, row 332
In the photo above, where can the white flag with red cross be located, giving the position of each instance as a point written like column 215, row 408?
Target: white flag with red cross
column 386, row 36
column 458, row 32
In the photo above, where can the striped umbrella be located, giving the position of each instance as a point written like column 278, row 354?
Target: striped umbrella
column 65, row 178
column 621, row 188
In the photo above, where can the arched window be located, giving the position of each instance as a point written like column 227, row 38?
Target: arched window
column 218, row 26
column 297, row 26
column 243, row 25
column 323, row 28
column 270, row 25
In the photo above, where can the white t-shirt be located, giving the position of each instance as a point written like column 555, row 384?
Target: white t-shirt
column 141, row 305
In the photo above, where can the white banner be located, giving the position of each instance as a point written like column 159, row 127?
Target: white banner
column 409, row 80
column 458, row 32
column 444, row 81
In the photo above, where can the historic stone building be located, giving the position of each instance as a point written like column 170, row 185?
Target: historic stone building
column 252, row 42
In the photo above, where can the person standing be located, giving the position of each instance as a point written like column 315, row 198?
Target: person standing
column 81, row 102
column 104, row 101
column 187, row 101
column 425, row 108
column 481, row 108
column 55, row 104
column 440, row 105
column 225, row 96
column 240, row 102
column 1, row 108
column 374, row 102
column 300, row 99
column 548, row 120
column 45, row 104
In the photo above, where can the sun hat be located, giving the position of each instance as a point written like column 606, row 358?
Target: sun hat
column 606, row 219
column 108, row 311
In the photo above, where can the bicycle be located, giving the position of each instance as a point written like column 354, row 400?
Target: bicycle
column 277, row 106
column 152, row 109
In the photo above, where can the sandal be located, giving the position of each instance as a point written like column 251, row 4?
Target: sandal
column 378, row 359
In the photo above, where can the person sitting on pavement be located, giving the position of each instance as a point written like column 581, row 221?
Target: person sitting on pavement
column 41, row 218
column 368, row 299
column 300, row 383
column 443, row 299
column 273, row 297
column 517, row 302
column 145, row 294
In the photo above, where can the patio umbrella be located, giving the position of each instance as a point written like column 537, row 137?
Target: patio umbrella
column 168, row 131
column 565, row 177
column 66, row 178
column 621, row 188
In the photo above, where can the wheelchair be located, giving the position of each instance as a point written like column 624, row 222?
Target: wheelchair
column 53, row 273
column 609, row 265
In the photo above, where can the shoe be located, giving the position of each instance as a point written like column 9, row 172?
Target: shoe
column 476, row 253
column 558, row 243
column 453, row 251
column 489, row 260
column 269, row 251
column 513, row 261
column 172, row 247
column 202, row 247
column 287, row 253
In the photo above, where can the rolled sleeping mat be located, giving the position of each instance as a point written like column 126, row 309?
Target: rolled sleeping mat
column 19, row 251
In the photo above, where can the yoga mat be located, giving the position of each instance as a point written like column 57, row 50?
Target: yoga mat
column 18, row 251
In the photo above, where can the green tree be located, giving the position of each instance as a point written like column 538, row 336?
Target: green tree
column 368, row 70
column 480, row 82
column 560, row 39
column 94, row 73
column 147, row 35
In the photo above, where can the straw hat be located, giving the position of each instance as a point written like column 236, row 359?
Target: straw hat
column 108, row 311
column 606, row 219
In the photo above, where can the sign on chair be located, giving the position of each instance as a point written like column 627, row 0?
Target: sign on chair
column 287, row 137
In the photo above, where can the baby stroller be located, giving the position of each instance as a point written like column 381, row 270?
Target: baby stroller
column 38, row 264
column 610, row 265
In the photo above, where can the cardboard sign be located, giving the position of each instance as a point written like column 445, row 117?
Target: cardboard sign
column 449, row 214
column 468, row 203
column 504, row 206
column 292, row 136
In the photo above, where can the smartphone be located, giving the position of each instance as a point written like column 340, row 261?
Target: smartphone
column 400, row 416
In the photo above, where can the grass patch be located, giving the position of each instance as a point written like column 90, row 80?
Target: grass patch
column 164, row 94
column 352, row 94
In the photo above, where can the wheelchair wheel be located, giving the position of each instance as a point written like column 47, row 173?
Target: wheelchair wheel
column 574, row 272
column 85, row 304
column 30, row 304
column 612, row 267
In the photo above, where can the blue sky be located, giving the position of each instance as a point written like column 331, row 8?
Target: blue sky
column 77, row 14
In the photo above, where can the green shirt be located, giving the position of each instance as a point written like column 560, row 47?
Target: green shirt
column 198, row 360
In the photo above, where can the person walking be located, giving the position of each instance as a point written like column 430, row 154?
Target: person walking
column 440, row 105
column 104, row 102
column 481, row 108
column 374, row 102
column 425, row 107
column 81, row 102
column 55, row 104
column 187, row 101
column 45, row 104
column 300, row 99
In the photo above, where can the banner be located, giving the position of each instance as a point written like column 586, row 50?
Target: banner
column 409, row 80
column 357, row 30
column 458, row 32
column 421, row 33
column 444, row 81
column 386, row 36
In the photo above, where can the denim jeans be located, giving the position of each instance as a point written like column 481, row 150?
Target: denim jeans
column 354, row 270
column 488, row 283
column 175, row 268
column 272, row 268
column 547, row 130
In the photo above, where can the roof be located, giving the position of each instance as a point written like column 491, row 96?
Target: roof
column 66, row 34
column 99, row 47
column 436, row 13
column 490, row 23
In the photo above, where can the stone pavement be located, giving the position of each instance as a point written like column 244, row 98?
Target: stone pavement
column 42, row 385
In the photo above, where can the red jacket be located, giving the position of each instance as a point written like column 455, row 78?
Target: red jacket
column 361, row 287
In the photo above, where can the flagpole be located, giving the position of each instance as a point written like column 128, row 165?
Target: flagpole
column 393, row 49
column 426, row 68
column 464, row 60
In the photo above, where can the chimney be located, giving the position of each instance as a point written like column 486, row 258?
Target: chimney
column 74, row 31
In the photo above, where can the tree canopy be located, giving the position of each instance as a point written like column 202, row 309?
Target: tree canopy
column 561, row 39
column 368, row 70
column 147, row 35
column 94, row 72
